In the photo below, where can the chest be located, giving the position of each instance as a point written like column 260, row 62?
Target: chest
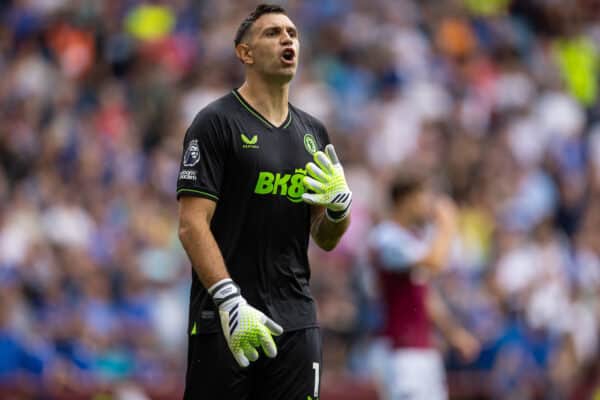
column 257, row 148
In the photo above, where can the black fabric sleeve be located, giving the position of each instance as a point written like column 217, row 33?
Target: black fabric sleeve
column 202, row 163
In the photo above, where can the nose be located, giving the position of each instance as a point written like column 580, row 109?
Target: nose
column 286, row 39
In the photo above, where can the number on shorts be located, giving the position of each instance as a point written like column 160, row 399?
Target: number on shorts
column 316, row 368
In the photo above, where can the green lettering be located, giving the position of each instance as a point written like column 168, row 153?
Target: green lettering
column 264, row 184
column 281, row 182
column 296, row 188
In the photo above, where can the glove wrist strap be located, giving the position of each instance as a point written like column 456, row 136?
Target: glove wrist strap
column 224, row 290
column 338, row 216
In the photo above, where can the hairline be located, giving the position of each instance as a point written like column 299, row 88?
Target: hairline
column 419, row 185
column 253, row 25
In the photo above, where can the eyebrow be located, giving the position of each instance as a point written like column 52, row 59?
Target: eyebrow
column 292, row 27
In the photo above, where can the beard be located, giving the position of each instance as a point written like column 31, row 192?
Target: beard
column 279, row 75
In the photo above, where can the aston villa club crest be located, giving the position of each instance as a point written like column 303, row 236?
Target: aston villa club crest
column 192, row 154
column 310, row 143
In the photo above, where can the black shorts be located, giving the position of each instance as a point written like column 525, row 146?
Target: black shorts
column 213, row 374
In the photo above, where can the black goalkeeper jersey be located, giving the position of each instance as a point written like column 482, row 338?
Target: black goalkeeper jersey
column 253, row 170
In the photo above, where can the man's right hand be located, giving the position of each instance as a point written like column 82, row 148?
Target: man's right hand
column 245, row 328
column 466, row 344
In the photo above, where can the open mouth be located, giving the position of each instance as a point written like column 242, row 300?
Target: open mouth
column 288, row 56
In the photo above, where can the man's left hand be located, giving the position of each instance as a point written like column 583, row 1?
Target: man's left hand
column 328, row 184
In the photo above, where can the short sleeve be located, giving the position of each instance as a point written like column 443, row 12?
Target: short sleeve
column 393, row 249
column 202, row 163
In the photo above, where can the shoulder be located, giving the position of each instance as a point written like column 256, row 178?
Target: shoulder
column 308, row 119
column 211, row 121
column 394, row 248
column 216, row 111
column 389, row 233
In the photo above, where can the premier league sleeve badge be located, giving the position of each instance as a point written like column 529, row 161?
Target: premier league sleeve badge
column 192, row 154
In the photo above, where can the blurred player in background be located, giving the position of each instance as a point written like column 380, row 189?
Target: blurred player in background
column 245, row 219
column 408, row 249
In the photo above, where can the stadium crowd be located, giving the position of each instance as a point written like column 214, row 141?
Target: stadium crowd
column 497, row 99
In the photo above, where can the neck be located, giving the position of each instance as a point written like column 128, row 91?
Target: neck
column 270, row 100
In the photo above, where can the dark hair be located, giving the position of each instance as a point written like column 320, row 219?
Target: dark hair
column 259, row 11
column 405, row 184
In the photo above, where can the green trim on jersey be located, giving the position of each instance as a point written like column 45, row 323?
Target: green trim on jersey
column 204, row 194
column 252, row 111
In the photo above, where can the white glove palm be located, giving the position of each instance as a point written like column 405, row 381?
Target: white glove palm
column 328, row 184
column 245, row 328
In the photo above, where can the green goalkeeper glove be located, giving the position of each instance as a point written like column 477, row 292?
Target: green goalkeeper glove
column 328, row 183
column 245, row 328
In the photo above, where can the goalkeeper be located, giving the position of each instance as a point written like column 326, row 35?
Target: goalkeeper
column 257, row 177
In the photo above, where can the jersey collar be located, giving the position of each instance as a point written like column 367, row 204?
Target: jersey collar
column 257, row 115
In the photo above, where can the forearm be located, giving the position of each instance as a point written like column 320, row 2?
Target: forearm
column 203, row 252
column 441, row 245
column 245, row 328
column 439, row 252
column 455, row 334
column 440, row 315
column 327, row 233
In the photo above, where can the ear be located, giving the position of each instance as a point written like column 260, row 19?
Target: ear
column 244, row 54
